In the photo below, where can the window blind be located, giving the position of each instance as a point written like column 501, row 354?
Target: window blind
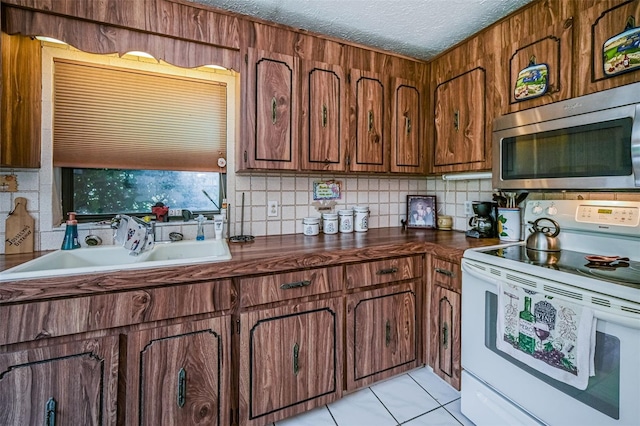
column 106, row 117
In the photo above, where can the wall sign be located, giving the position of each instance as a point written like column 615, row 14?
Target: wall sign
column 621, row 53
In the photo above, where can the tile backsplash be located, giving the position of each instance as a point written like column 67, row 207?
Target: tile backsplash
column 385, row 196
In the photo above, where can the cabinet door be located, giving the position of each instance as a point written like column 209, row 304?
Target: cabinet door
column 290, row 360
column 68, row 384
column 369, row 151
column 179, row 374
column 461, row 142
column 21, row 101
column 445, row 334
column 407, row 143
column 381, row 334
column 325, row 118
column 271, row 100
column 553, row 47
column 594, row 26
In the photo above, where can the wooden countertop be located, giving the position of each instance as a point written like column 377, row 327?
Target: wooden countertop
column 264, row 255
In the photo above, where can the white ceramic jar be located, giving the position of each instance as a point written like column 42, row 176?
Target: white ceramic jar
column 361, row 218
column 330, row 223
column 311, row 225
column 345, row 219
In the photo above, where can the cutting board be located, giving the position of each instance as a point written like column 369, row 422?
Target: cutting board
column 19, row 229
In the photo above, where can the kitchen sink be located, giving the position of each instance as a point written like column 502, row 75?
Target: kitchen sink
column 111, row 258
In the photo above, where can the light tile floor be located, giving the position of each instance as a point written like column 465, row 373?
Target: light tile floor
column 416, row 398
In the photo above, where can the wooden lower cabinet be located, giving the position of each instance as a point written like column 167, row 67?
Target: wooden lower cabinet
column 381, row 334
column 444, row 321
column 66, row 384
column 290, row 360
column 179, row 374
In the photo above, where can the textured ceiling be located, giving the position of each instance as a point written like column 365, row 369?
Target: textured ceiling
column 417, row 28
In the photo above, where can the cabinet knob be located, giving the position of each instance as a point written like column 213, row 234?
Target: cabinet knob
column 387, row 271
column 182, row 387
column 445, row 335
column 456, row 120
column 407, row 124
column 50, row 412
column 324, row 116
column 446, row 272
column 296, row 284
column 274, row 110
column 296, row 365
column 370, row 121
column 387, row 333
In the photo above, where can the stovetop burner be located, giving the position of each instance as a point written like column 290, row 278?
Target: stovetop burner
column 573, row 262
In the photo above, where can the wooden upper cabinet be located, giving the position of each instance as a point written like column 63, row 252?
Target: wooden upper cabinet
column 370, row 145
column 552, row 47
column 73, row 383
column 462, row 123
column 324, row 117
column 21, row 102
column 271, row 111
column 594, row 27
column 407, row 140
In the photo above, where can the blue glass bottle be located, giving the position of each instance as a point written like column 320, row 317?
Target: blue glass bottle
column 70, row 241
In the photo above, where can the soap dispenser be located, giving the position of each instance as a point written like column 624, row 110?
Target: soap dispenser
column 200, row 234
column 70, row 241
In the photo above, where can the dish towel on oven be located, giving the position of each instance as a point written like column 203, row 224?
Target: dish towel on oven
column 552, row 335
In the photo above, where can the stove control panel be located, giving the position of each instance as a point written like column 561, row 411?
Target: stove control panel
column 608, row 215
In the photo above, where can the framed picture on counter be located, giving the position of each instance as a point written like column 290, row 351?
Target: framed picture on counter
column 421, row 211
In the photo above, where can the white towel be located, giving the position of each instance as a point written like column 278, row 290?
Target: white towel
column 566, row 352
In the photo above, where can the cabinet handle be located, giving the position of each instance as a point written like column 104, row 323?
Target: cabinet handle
column 296, row 365
column 456, row 120
column 182, row 387
column 387, row 334
column 274, row 110
column 50, row 413
column 324, row 116
column 370, row 121
column 445, row 272
column 387, row 271
column 445, row 335
column 407, row 124
column 296, row 284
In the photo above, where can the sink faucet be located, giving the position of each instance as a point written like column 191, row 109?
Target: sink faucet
column 133, row 234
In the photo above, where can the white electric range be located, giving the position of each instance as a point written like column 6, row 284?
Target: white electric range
column 497, row 388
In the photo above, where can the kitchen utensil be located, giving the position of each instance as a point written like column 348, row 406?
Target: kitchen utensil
column 19, row 229
column 594, row 258
column 542, row 238
column 242, row 238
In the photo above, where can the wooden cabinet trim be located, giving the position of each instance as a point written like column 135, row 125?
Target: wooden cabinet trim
column 76, row 315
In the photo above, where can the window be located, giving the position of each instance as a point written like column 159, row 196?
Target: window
column 127, row 139
column 97, row 194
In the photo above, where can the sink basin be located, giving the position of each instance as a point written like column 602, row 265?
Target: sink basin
column 111, row 258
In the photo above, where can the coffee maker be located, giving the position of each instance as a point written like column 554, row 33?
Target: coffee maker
column 483, row 224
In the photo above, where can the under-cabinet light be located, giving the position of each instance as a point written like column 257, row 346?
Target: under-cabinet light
column 467, row 176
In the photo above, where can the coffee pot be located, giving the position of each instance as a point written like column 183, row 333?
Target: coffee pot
column 482, row 224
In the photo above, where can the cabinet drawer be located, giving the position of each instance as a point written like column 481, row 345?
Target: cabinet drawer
column 289, row 285
column 76, row 315
column 446, row 274
column 383, row 271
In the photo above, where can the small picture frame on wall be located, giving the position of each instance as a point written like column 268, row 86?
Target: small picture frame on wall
column 421, row 211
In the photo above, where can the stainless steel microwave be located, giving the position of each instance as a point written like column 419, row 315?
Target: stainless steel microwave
column 587, row 143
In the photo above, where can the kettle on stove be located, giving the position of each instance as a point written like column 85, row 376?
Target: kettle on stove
column 542, row 238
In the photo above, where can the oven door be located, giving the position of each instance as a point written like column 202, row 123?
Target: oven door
column 497, row 386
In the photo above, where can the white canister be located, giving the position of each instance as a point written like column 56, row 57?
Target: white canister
column 330, row 223
column 361, row 218
column 311, row 225
column 345, row 217
column 509, row 224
